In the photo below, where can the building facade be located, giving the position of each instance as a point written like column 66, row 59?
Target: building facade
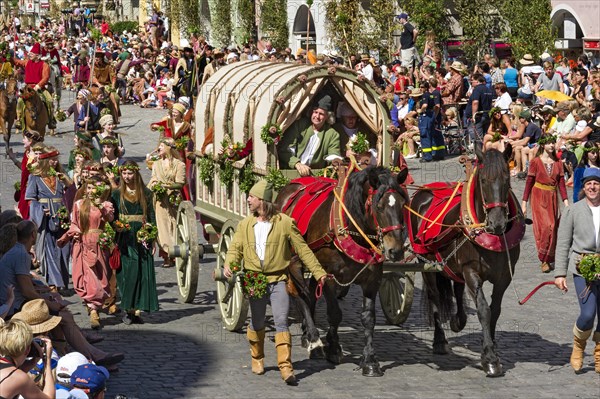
column 578, row 27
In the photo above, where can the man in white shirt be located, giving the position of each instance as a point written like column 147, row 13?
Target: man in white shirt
column 366, row 67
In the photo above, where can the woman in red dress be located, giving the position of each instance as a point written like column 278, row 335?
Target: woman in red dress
column 30, row 139
column 544, row 178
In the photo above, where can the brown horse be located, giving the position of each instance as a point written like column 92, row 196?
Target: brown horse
column 35, row 113
column 374, row 199
column 471, row 252
column 8, row 109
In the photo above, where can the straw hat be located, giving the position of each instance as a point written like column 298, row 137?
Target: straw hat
column 37, row 315
column 458, row 67
column 416, row 93
column 364, row 57
column 527, row 60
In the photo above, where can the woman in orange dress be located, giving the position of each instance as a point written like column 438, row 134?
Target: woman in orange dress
column 544, row 178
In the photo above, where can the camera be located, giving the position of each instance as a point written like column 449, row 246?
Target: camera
column 33, row 351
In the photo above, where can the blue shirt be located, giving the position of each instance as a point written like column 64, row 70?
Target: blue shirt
column 15, row 262
column 510, row 77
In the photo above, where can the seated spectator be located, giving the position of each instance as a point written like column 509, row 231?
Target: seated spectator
column 409, row 138
column 524, row 148
column 16, row 345
column 91, row 379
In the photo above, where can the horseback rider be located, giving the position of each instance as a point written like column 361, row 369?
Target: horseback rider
column 37, row 75
column 104, row 75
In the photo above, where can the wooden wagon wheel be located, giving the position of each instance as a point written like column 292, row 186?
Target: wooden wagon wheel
column 186, row 252
column 232, row 302
column 396, row 296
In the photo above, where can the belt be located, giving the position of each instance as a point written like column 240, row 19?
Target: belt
column 48, row 200
column 134, row 218
column 544, row 186
column 94, row 231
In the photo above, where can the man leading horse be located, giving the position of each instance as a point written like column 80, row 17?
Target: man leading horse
column 37, row 75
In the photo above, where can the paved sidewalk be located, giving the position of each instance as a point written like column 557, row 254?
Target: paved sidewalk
column 182, row 351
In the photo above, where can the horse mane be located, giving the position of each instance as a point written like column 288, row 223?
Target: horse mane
column 379, row 178
column 493, row 165
column 354, row 196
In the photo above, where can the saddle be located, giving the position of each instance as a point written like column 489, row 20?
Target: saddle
column 426, row 234
column 310, row 195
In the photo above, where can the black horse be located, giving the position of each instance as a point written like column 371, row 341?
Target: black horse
column 375, row 200
column 487, row 251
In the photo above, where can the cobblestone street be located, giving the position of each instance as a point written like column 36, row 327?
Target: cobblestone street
column 183, row 351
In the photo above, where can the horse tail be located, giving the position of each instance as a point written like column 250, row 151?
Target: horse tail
column 444, row 299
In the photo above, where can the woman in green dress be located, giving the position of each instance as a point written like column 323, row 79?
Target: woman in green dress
column 136, row 279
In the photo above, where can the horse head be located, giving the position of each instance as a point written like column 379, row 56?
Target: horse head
column 380, row 207
column 11, row 88
column 493, row 184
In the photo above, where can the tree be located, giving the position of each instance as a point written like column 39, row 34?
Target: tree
column 344, row 25
column 530, row 29
column 428, row 15
column 273, row 22
column 221, row 23
column 381, row 13
column 246, row 28
column 474, row 17
column 190, row 17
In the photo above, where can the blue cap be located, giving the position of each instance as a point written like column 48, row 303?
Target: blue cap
column 590, row 174
column 90, row 377
column 403, row 16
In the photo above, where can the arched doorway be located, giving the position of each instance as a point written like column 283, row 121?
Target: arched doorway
column 569, row 31
column 304, row 27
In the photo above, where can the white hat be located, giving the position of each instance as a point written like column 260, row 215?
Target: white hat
column 545, row 56
column 72, row 394
column 581, row 125
column 67, row 365
column 537, row 69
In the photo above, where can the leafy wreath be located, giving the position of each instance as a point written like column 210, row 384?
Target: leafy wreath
column 589, row 267
column 270, row 134
column 247, row 177
column 277, row 179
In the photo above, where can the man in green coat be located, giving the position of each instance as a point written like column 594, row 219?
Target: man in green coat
column 264, row 240
column 310, row 144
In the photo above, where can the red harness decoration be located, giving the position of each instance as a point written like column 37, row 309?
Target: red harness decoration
column 431, row 236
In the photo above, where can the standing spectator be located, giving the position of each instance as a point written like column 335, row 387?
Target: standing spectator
column 264, row 240
column 589, row 159
column 544, row 178
column 453, row 90
column 511, row 77
column 495, row 71
column 577, row 236
column 478, row 106
column 365, row 67
column 408, row 37
column 432, row 140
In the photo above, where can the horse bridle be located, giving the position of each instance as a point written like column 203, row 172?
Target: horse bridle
column 369, row 210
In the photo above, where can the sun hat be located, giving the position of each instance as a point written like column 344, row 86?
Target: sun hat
column 590, row 174
column 537, row 69
column 67, row 365
column 527, row 60
column 90, row 378
column 262, row 190
column 458, row 66
column 525, row 114
column 37, row 315
column 597, row 122
column 179, row 108
column 185, row 101
column 105, row 120
column 562, row 106
column 364, row 57
column 547, row 109
column 416, row 93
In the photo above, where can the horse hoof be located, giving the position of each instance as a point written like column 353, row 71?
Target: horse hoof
column 334, row 355
column 457, row 323
column 441, row 348
column 314, row 345
column 372, row 370
column 494, row 370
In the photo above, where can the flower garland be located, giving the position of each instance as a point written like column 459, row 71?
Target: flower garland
column 497, row 136
column 277, row 179
column 60, row 115
column 122, row 224
column 589, row 267
column 62, row 214
column 247, row 178
column 254, row 284
column 147, row 234
column 106, row 240
column 158, row 189
column 99, row 190
column 358, row 143
column 175, row 198
column 235, row 267
column 182, row 142
column 206, row 171
column 270, row 134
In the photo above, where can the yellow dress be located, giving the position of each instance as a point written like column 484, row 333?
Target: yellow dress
column 166, row 172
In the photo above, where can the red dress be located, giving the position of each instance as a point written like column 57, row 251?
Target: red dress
column 542, row 186
column 23, row 203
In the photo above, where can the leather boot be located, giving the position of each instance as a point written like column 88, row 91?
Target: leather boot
column 257, row 350
column 579, row 342
column 94, row 319
column 596, row 339
column 283, row 344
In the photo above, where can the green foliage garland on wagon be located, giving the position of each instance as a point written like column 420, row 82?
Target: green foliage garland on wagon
column 270, row 134
column 247, row 178
column 206, row 171
column 277, row 179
